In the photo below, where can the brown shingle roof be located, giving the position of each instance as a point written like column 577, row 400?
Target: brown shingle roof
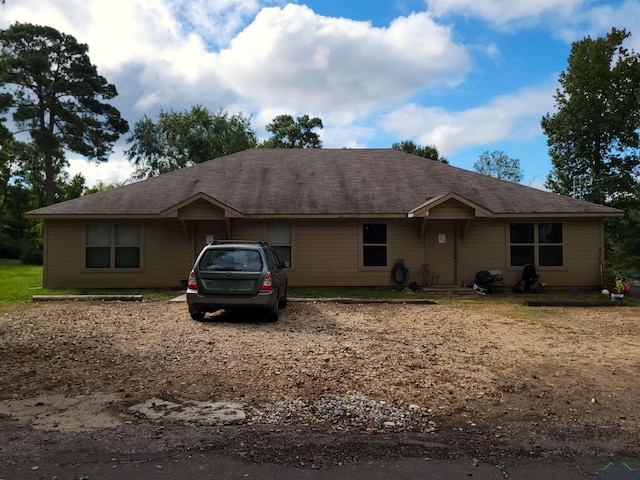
column 322, row 182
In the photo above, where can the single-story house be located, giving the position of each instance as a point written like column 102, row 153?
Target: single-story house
column 341, row 217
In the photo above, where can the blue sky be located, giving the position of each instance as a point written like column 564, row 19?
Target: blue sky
column 467, row 76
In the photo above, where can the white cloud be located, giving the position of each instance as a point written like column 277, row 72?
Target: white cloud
column 239, row 56
column 598, row 21
column 504, row 11
column 216, row 20
column 289, row 57
column 512, row 117
column 293, row 57
column 116, row 170
column 568, row 20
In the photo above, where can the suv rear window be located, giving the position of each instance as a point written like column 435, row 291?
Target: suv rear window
column 234, row 259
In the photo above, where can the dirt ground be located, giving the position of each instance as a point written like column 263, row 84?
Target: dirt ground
column 475, row 377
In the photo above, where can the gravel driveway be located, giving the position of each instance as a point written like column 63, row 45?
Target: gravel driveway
column 495, row 376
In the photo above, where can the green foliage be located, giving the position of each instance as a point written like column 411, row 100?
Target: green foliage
column 181, row 139
column 32, row 254
column 101, row 187
column 55, row 93
column 593, row 137
column 429, row 151
column 16, row 197
column 289, row 133
column 497, row 164
column 622, row 234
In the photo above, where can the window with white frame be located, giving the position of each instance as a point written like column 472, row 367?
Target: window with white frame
column 374, row 244
column 279, row 238
column 540, row 244
column 114, row 246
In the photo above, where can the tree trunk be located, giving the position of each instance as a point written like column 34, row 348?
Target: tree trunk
column 49, row 184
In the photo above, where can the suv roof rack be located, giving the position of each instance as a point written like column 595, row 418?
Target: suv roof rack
column 245, row 242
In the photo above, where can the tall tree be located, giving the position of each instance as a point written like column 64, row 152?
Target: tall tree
column 289, row 133
column 428, row 151
column 593, row 137
column 181, row 139
column 57, row 95
column 622, row 234
column 18, row 235
column 497, row 164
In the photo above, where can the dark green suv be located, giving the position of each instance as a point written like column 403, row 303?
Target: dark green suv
column 233, row 275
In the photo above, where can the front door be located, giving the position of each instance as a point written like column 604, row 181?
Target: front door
column 441, row 253
column 205, row 232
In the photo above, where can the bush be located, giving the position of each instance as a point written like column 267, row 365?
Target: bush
column 32, row 255
column 9, row 247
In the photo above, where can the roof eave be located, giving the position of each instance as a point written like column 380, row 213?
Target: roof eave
column 558, row 215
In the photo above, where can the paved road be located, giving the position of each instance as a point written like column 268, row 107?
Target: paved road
column 212, row 466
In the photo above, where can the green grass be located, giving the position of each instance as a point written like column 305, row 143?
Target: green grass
column 18, row 283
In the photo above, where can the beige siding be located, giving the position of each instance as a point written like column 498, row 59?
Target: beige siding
column 204, row 231
column 325, row 256
column 324, row 252
column 332, row 256
column 201, row 210
column 486, row 246
column 582, row 255
column 64, row 258
column 327, row 252
column 406, row 244
column 166, row 258
column 482, row 246
column 248, row 230
column 451, row 209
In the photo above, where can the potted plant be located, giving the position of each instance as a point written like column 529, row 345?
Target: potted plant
column 619, row 289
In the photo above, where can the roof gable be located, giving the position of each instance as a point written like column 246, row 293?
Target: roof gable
column 197, row 200
column 451, row 197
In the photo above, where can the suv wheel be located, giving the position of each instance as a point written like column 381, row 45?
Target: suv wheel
column 197, row 315
column 274, row 313
column 282, row 303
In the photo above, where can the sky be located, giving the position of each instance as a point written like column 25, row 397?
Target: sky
column 466, row 76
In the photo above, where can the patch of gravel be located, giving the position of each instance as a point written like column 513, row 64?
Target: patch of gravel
column 348, row 412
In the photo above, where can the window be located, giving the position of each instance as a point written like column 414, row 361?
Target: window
column 538, row 244
column 279, row 238
column 374, row 245
column 112, row 246
column 231, row 259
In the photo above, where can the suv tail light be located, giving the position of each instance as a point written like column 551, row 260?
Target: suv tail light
column 192, row 283
column 267, row 283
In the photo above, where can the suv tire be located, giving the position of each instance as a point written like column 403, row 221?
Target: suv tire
column 273, row 314
column 197, row 315
column 282, row 302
